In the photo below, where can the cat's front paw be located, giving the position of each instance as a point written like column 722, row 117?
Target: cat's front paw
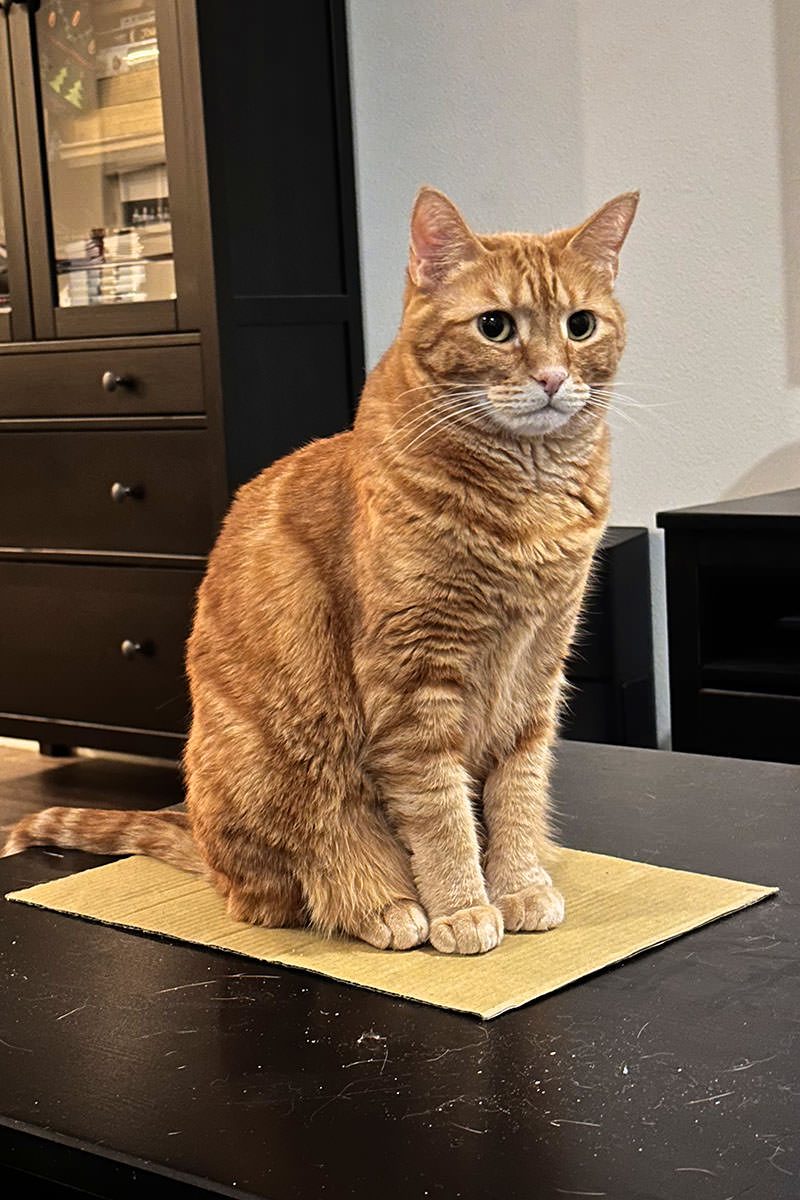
column 468, row 931
column 538, row 907
column 400, row 925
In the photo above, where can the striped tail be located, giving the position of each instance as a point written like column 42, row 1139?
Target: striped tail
column 163, row 835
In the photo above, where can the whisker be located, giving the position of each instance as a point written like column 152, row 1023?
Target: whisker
column 605, row 406
column 467, row 403
column 629, row 383
column 614, row 390
column 631, row 401
column 474, row 405
column 465, row 415
column 625, row 402
column 410, row 420
column 445, row 393
column 617, row 403
column 454, row 383
column 442, row 402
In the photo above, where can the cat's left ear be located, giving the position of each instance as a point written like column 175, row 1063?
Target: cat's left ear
column 601, row 237
column 441, row 240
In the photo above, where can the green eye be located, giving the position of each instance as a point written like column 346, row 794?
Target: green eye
column 496, row 326
column 581, row 325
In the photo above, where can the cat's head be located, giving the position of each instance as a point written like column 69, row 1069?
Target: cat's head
column 521, row 326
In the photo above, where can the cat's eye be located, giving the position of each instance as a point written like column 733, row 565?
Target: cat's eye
column 497, row 326
column 581, row 325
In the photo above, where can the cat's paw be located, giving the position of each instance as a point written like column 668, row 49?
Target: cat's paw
column 399, row 926
column 537, row 907
column 468, row 931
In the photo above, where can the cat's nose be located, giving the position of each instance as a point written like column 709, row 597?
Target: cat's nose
column 551, row 379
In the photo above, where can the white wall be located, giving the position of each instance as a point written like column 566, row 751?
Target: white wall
column 531, row 113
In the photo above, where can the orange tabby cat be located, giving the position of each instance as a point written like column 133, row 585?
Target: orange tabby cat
column 377, row 653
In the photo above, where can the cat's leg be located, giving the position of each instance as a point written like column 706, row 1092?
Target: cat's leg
column 275, row 900
column 428, row 794
column 358, row 881
column 229, row 810
column 330, row 857
column 254, row 880
column 516, row 815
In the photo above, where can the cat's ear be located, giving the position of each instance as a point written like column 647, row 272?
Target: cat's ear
column 601, row 237
column 441, row 240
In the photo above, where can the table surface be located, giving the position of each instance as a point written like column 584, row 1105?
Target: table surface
column 124, row 1057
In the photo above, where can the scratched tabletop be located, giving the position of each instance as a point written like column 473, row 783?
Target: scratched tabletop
column 128, row 1062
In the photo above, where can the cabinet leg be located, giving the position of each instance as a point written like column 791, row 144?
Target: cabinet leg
column 55, row 749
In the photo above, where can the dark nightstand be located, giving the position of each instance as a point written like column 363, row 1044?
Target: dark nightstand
column 733, row 606
column 610, row 669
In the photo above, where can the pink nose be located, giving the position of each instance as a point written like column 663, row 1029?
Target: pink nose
column 551, row 379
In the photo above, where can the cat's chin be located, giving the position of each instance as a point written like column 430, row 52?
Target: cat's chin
column 536, row 423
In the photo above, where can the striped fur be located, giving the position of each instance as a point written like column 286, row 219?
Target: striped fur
column 164, row 835
column 376, row 658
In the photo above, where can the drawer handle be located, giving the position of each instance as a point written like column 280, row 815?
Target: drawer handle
column 121, row 491
column 111, row 381
column 130, row 649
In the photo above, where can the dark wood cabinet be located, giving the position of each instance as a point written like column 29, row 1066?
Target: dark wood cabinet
column 180, row 307
column 733, row 607
column 611, row 687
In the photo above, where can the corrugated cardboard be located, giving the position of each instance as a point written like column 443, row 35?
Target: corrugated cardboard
column 615, row 909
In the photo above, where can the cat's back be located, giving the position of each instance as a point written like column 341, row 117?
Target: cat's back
column 285, row 541
column 297, row 498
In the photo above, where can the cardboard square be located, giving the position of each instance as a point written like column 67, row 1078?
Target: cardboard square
column 615, row 909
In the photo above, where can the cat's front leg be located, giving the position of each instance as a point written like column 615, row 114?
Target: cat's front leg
column 516, row 812
column 432, row 809
column 428, row 795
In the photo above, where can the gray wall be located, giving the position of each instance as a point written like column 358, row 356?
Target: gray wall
column 531, row 113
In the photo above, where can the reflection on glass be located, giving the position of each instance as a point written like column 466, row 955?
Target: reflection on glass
column 5, row 303
column 98, row 75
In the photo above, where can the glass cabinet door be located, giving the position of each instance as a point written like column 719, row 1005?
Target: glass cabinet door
column 5, row 297
column 15, row 313
column 100, row 96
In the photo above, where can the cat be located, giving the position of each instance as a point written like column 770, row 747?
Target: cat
column 376, row 659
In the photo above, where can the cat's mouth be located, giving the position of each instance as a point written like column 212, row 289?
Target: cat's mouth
column 531, row 412
column 532, row 418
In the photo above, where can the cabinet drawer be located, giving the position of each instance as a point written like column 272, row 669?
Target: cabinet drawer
column 66, row 383
column 61, row 634
column 56, row 491
column 747, row 725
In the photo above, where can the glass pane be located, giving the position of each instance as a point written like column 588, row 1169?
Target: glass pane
column 101, row 95
column 5, row 304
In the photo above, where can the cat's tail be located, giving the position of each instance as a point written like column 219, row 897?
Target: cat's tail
column 163, row 835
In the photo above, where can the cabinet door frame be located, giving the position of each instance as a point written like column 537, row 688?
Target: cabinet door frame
column 16, row 325
column 148, row 316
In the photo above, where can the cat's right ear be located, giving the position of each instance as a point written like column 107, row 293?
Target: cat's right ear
column 601, row 236
column 441, row 240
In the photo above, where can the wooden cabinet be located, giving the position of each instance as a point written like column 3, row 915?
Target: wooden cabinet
column 733, row 608
column 179, row 306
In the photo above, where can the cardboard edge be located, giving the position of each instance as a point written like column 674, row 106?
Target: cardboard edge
column 20, row 898
column 764, row 892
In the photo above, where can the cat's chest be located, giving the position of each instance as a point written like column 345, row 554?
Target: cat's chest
column 516, row 662
column 511, row 678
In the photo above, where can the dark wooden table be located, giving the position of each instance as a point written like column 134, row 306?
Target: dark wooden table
column 128, row 1062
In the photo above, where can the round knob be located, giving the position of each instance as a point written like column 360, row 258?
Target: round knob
column 111, row 381
column 130, row 649
column 121, row 491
